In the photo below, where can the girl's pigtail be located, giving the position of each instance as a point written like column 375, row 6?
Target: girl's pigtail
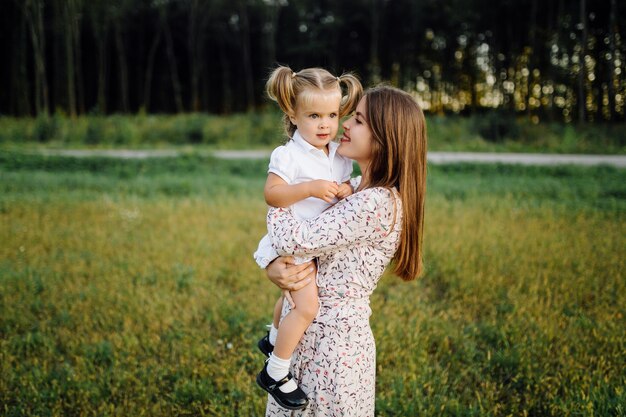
column 279, row 88
column 354, row 93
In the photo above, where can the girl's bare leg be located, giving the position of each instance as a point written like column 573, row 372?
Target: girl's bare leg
column 278, row 308
column 297, row 320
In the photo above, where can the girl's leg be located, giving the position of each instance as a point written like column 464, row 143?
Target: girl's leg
column 297, row 320
column 278, row 308
column 290, row 332
column 292, row 327
column 273, row 332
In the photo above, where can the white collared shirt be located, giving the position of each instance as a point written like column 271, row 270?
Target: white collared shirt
column 298, row 161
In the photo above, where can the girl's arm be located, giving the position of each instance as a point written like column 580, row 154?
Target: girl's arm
column 280, row 194
column 365, row 216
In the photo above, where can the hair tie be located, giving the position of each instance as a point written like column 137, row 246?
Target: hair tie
column 338, row 79
column 293, row 75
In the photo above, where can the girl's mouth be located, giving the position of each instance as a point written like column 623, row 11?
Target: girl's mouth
column 323, row 135
column 345, row 138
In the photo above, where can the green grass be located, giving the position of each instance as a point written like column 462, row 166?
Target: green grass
column 128, row 288
column 489, row 132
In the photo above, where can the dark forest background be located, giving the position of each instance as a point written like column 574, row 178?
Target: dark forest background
column 549, row 59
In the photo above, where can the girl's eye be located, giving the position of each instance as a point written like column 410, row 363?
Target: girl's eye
column 357, row 121
column 333, row 115
column 314, row 116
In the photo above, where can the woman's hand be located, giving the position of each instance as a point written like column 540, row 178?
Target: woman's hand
column 286, row 275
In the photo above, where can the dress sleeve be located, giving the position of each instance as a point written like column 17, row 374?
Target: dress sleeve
column 283, row 164
column 361, row 217
column 265, row 253
column 355, row 182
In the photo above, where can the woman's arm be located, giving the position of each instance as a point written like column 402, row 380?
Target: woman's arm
column 286, row 275
column 367, row 215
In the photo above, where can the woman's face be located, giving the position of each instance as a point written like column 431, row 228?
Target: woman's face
column 356, row 142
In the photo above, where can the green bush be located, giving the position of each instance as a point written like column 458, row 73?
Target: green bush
column 45, row 128
column 93, row 133
column 496, row 131
column 496, row 126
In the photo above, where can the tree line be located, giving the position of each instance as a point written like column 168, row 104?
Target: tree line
column 550, row 59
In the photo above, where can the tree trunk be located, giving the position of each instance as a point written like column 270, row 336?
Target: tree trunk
column 227, row 95
column 192, row 45
column 374, row 63
column 70, row 15
column 178, row 96
column 58, row 88
column 531, row 55
column 469, row 68
column 34, row 14
column 610, row 65
column 195, row 46
column 582, row 100
column 99, row 19
column 20, row 88
column 121, row 58
column 273, row 9
column 78, row 57
column 147, row 88
column 102, row 73
column 246, row 59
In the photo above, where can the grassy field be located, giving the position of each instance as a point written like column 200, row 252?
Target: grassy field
column 488, row 132
column 127, row 288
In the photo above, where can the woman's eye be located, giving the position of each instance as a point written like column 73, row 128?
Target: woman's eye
column 357, row 121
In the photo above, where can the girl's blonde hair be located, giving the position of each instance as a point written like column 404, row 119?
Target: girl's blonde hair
column 284, row 86
column 399, row 160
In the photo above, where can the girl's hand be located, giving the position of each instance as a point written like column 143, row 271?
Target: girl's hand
column 344, row 191
column 286, row 275
column 325, row 190
column 287, row 295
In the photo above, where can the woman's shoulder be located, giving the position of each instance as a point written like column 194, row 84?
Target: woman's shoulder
column 381, row 204
column 380, row 192
column 375, row 198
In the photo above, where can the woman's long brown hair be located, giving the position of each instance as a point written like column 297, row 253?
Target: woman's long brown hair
column 399, row 160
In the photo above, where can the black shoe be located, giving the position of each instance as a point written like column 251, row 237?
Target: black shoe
column 294, row 400
column 265, row 346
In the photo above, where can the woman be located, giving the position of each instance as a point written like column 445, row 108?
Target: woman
column 353, row 241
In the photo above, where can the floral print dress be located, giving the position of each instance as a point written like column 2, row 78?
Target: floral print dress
column 335, row 362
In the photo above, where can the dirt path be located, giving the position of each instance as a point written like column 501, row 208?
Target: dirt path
column 433, row 157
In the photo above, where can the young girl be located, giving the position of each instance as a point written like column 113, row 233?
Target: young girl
column 307, row 174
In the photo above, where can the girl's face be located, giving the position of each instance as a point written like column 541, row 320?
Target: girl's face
column 317, row 116
column 356, row 142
